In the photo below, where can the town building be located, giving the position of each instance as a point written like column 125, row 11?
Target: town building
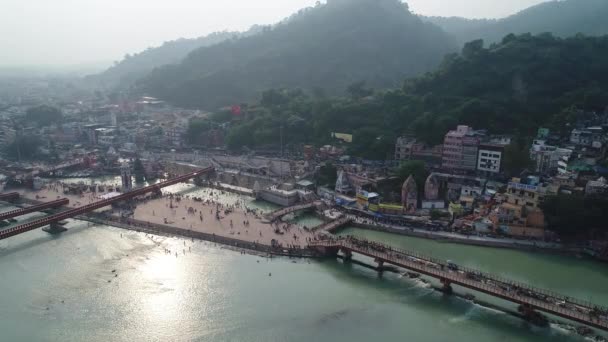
column 342, row 183
column 549, row 159
column 175, row 135
column 490, row 157
column 431, row 188
column 408, row 148
column 589, row 137
column 409, row 195
column 460, row 149
column 106, row 136
column 597, row 187
column 520, row 214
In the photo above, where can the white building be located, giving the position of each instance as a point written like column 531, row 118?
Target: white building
column 175, row 135
column 490, row 158
column 549, row 158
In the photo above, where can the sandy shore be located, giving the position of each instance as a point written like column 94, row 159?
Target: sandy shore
column 234, row 220
column 51, row 193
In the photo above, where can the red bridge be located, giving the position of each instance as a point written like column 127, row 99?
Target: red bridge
column 529, row 298
column 94, row 206
column 19, row 212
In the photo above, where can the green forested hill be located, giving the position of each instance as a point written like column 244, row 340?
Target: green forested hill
column 513, row 87
column 562, row 18
column 326, row 47
column 134, row 66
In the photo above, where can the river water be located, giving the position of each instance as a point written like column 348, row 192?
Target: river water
column 99, row 283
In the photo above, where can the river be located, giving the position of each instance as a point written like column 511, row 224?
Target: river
column 63, row 288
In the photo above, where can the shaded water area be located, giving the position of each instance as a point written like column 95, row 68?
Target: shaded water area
column 99, row 283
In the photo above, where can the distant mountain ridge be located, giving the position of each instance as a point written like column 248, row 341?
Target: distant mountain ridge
column 563, row 18
column 329, row 46
column 135, row 66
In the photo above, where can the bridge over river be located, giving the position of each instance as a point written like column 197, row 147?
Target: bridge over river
column 277, row 214
column 54, row 219
column 529, row 299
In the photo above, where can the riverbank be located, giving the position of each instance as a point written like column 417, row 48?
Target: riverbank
column 147, row 212
column 504, row 243
column 160, row 229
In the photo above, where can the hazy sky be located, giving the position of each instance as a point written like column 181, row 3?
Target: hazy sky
column 65, row 32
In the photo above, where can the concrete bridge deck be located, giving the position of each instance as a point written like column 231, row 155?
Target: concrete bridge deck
column 38, row 207
column 277, row 214
column 333, row 225
column 532, row 298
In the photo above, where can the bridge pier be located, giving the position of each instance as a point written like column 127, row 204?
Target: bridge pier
column 447, row 286
column 54, row 228
column 532, row 316
column 380, row 263
column 328, row 251
column 348, row 255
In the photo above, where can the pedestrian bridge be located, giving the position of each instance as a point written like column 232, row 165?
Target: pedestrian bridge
column 277, row 214
column 333, row 225
column 528, row 298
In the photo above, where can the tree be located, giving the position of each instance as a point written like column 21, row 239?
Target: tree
column 472, row 49
column 44, row 115
column 23, row 148
column 358, row 91
column 576, row 216
column 139, row 170
column 415, row 168
column 327, row 175
column 516, row 157
column 196, row 127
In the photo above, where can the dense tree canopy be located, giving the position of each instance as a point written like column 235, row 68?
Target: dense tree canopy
column 510, row 88
column 513, row 87
column 132, row 67
column 24, row 148
column 416, row 169
column 563, row 18
column 517, row 157
column 327, row 175
column 139, row 171
column 576, row 216
column 327, row 47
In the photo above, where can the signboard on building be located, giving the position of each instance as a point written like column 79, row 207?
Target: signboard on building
column 343, row 136
column 520, row 186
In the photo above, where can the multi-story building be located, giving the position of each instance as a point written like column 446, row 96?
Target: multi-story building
column 490, row 158
column 597, row 187
column 407, row 148
column 460, row 148
column 520, row 213
column 175, row 135
column 588, row 137
column 7, row 132
column 404, row 147
column 549, row 159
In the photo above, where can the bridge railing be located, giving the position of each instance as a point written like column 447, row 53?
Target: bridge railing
column 26, row 210
column 488, row 288
column 484, row 275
